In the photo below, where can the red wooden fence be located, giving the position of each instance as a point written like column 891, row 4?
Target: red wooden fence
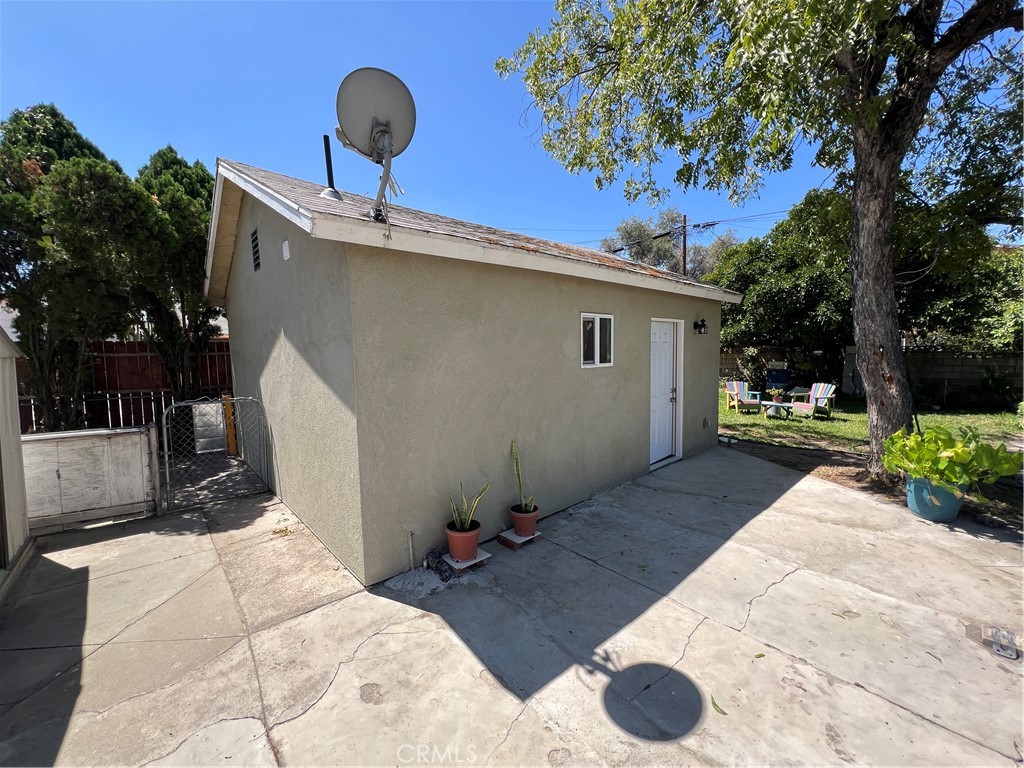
column 127, row 384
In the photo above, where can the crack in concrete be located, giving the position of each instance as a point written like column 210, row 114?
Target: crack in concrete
column 750, row 602
column 835, row 678
column 673, row 665
column 509, row 731
column 337, row 671
column 211, row 725
column 159, row 688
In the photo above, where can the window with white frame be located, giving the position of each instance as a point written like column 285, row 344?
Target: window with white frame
column 595, row 340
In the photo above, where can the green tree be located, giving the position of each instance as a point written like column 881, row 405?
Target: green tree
column 796, row 284
column 650, row 241
column 167, row 286
column 732, row 88
column 658, row 243
column 85, row 251
column 65, row 293
column 702, row 259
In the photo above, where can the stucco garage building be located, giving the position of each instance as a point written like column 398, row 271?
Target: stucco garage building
column 395, row 360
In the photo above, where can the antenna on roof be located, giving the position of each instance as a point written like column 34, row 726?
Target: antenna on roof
column 376, row 119
column 329, row 191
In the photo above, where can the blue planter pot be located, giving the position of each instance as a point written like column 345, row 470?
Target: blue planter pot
column 932, row 503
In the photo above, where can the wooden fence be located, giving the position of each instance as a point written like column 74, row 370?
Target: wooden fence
column 128, row 385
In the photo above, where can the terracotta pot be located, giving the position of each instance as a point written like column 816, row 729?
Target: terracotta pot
column 462, row 544
column 524, row 523
column 777, row 399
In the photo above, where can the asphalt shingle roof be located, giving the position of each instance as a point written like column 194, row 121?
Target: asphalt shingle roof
column 306, row 196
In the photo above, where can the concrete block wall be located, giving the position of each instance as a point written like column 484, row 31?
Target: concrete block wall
column 945, row 374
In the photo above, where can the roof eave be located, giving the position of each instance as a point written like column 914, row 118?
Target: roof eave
column 373, row 234
column 223, row 229
column 231, row 182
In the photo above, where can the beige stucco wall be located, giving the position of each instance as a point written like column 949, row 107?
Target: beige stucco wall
column 454, row 359
column 291, row 347
column 11, row 463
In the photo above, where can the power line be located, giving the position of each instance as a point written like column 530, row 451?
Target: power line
column 677, row 229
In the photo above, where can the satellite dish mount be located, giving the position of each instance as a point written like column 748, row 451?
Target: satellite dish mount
column 376, row 119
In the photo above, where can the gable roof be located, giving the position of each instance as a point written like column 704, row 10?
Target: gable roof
column 347, row 220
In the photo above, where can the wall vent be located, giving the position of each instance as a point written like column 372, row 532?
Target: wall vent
column 255, row 250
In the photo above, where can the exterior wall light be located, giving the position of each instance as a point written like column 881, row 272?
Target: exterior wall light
column 700, row 326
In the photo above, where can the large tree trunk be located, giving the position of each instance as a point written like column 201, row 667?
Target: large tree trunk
column 875, row 316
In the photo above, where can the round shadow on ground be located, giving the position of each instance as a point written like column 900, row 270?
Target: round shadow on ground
column 653, row 702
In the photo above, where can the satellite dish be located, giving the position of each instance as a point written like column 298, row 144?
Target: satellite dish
column 376, row 119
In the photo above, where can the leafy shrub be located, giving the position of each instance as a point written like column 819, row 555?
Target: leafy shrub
column 954, row 462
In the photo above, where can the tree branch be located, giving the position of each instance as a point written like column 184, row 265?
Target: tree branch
column 983, row 19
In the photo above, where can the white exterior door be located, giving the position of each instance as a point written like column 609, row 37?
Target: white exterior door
column 663, row 390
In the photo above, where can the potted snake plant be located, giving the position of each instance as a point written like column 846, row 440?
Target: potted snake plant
column 524, row 514
column 463, row 531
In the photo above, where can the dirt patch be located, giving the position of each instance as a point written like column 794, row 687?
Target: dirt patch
column 850, row 470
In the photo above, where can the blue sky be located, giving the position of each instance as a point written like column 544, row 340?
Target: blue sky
column 256, row 82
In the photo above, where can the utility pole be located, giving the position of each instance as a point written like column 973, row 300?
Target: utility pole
column 684, row 244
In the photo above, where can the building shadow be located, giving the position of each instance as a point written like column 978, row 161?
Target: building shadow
column 596, row 594
column 41, row 661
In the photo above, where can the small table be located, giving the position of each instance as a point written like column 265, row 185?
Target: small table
column 767, row 405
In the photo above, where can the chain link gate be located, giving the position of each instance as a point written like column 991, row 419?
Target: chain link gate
column 214, row 449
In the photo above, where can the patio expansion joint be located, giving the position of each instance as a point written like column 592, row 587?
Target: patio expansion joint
column 57, row 676
column 750, row 602
column 599, row 564
column 114, row 573
column 274, row 748
column 1014, row 758
column 162, row 603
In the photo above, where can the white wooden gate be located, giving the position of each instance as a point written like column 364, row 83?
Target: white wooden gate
column 73, row 477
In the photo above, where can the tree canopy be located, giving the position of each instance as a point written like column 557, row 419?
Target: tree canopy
column 86, row 252
column 796, row 283
column 650, row 241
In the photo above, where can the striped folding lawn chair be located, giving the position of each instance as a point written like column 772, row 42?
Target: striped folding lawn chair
column 818, row 401
column 739, row 397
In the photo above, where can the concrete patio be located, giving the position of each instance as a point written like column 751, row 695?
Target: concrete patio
column 720, row 610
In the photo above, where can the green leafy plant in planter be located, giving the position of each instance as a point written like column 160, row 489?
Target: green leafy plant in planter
column 775, row 394
column 463, row 531
column 524, row 514
column 941, row 466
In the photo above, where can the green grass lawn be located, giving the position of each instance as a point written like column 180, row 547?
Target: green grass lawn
column 847, row 430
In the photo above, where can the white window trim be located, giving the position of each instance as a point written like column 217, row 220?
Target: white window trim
column 597, row 316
